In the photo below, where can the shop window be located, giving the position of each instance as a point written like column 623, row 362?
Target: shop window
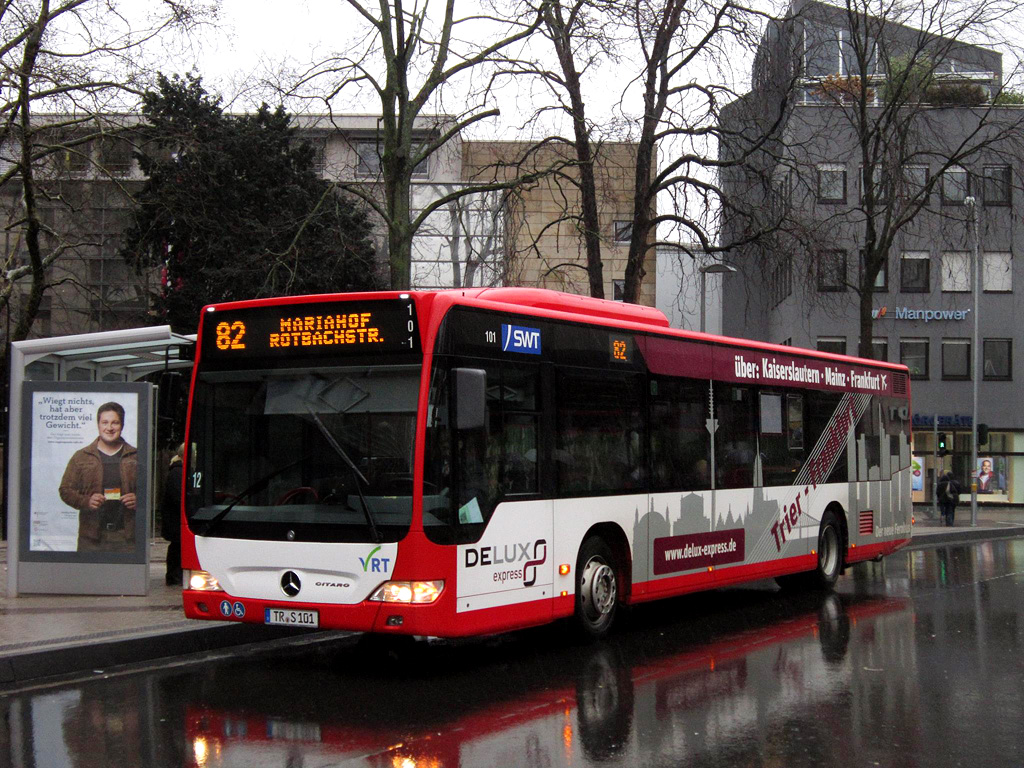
column 914, row 272
column 997, row 363
column 997, row 272
column 914, row 355
column 997, row 185
column 834, row 344
column 956, row 272
column 956, row 359
column 680, row 442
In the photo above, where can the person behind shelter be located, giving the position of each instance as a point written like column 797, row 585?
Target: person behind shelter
column 948, row 491
column 100, row 482
column 170, row 516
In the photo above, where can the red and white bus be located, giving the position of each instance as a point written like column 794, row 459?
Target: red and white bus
column 467, row 462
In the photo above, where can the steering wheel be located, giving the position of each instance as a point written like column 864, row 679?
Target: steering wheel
column 289, row 497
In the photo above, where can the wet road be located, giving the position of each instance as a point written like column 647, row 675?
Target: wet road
column 914, row 662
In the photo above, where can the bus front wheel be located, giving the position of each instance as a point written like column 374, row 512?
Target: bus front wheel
column 597, row 587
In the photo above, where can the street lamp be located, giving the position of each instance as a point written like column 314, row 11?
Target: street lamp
column 972, row 208
column 718, row 268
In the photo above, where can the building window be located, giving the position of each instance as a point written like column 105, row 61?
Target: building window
column 368, row 163
column 997, row 272
column 956, row 359
column 956, row 272
column 834, row 344
column 955, row 185
column 786, row 342
column 914, row 276
column 832, row 271
column 831, row 183
column 997, row 363
column 915, row 181
column 914, row 355
column 618, row 290
column 781, row 279
column 822, row 50
column 878, row 183
column 997, row 185
column 879, row 348
column 622, row 231
column 882, row 278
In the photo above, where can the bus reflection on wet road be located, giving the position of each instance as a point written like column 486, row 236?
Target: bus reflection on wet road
column 916, row 661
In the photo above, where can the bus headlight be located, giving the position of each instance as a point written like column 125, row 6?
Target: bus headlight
column 408, row 592
column 202, row 581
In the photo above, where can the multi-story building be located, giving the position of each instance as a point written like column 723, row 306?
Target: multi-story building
column 805, row 291
column 529, row 237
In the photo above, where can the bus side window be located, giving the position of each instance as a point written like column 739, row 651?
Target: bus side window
column 869, row 436
column 600, row 441
column 736, row 438
column 680, row 442
column 823, row 414
column 781, row 437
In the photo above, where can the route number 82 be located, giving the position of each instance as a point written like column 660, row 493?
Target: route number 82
column 229, row 335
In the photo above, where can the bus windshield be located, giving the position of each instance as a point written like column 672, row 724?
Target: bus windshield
column 303, row 454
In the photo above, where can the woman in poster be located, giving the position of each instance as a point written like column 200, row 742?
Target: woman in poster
column 100, row 482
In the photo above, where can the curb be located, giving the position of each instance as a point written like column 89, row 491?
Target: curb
column 68, row 660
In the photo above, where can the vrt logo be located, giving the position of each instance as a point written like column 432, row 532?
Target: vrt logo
column 878, row 313
column 373, row 564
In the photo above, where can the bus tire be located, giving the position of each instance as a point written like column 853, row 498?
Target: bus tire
column 830, row 552
column 830, row 559
column 597, row 588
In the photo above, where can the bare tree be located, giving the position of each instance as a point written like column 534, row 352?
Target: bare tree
column 673, row 54
column 67, row 65
column 406, row 60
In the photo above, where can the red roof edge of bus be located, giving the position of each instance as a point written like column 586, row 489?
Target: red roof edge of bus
column 544, row 298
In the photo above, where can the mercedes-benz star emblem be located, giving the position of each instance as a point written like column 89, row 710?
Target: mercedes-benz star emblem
column 290, row 583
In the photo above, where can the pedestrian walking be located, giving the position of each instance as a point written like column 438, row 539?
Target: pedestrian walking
column 949, row 496
column 170, row 516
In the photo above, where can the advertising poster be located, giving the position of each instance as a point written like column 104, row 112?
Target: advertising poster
column 991, row 475
column 916, row 473
column 85, row 471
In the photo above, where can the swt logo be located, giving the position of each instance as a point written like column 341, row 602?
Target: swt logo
column 519, row 338
column 877, row 313
column 373, row 564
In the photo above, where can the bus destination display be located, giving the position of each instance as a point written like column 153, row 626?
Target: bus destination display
column 320, row 329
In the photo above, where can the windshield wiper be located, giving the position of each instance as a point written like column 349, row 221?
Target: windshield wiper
column 351, row 465
column 259, row 485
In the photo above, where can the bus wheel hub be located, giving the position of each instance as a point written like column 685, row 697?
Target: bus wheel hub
column 598, row 588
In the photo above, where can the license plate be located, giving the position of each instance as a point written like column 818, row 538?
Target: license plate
column 292, row 618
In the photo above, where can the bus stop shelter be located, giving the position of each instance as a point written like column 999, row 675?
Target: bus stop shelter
column 55, row 384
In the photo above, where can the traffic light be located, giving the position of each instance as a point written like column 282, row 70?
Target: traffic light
column 982, row 434
column 943, row 450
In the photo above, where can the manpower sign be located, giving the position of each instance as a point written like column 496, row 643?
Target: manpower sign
column 927, row 315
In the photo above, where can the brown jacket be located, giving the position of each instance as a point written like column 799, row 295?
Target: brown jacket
column 84, row 477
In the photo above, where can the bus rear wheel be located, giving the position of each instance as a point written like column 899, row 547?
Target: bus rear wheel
column 830, row 559
column 597, row 588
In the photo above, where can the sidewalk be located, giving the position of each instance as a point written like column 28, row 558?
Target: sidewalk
column 51, row 635
column 54, row 635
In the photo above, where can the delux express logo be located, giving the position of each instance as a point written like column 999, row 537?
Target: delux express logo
column 521, row 560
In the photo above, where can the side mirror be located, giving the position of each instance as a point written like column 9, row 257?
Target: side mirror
column 470, row 397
